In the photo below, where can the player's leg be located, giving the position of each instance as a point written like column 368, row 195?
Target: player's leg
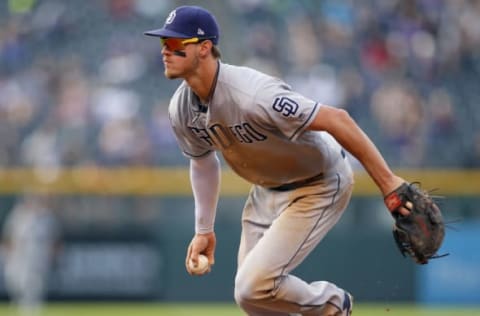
column 252, row 231
column 263, row 279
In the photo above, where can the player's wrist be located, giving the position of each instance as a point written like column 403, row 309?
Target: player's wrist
column 204, row 230
column 391, row 184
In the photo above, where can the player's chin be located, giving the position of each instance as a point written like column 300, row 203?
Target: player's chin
column 171, row 75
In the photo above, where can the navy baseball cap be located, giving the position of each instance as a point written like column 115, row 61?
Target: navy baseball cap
column 188, row 22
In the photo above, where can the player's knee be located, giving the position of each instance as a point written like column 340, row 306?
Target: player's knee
column 253, row 288
column 243, row 292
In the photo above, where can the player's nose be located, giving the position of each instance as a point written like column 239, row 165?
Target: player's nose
column 165, row 50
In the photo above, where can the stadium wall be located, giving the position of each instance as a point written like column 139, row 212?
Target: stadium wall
column 146, row 262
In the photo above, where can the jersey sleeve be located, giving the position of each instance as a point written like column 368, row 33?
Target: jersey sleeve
column 279, row 107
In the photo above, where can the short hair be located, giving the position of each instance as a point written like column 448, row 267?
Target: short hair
column 216, row 52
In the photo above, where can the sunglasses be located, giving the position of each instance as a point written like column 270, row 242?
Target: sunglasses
column 178, row 44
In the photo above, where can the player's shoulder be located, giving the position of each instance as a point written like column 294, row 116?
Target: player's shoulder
column 181, row 93
column 229, row 70
column 180, row 98
column 246, row 79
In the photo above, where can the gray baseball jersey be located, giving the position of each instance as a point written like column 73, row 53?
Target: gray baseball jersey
column 258, row 124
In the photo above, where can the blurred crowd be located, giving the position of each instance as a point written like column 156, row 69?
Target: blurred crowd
column 81, row 85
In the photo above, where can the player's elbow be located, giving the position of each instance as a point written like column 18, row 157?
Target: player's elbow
column 340, row 116
column 329, row 117
column 343, row 115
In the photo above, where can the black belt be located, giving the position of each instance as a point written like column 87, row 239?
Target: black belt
column 297, row 184
column 301, row 183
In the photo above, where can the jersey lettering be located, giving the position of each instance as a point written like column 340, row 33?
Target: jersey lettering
column 246, row 133
column 285, row 105
column 223, row 137
column 202, row 134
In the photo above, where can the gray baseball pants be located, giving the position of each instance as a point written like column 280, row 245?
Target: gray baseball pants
column 279, row 230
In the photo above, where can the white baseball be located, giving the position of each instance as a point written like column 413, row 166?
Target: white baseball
column 202, row 265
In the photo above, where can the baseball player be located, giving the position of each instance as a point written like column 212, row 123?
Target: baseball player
column 31, row 239
column 289, row 147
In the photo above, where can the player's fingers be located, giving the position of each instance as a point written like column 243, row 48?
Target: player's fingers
column 210, row 253
column 211, row 257
column 188, row 258
column 403, row 211
column 189, row 253
column 194, row 255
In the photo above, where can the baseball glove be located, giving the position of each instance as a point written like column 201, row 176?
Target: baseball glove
column 419, row 234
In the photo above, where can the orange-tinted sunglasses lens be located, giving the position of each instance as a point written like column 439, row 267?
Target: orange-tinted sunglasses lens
column 177, row 44
column 172, row 44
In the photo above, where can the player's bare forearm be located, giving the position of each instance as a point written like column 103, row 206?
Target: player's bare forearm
column 345, row 130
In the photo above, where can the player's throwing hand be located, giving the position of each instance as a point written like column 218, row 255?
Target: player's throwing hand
column 200, row 244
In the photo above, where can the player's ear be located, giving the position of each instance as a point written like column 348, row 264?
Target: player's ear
column 205, row 48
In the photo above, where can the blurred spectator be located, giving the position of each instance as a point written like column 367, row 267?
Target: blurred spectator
column 444, row 136
column 165, row 148
column 9, row 138
column 31, row 239
column 13, row 50
column 472, row 160
column 399, row 112
column 70, row 68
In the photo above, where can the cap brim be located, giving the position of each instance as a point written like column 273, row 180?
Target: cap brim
column 165, row 33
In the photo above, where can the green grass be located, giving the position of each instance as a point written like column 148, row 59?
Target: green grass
column 189, row 309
